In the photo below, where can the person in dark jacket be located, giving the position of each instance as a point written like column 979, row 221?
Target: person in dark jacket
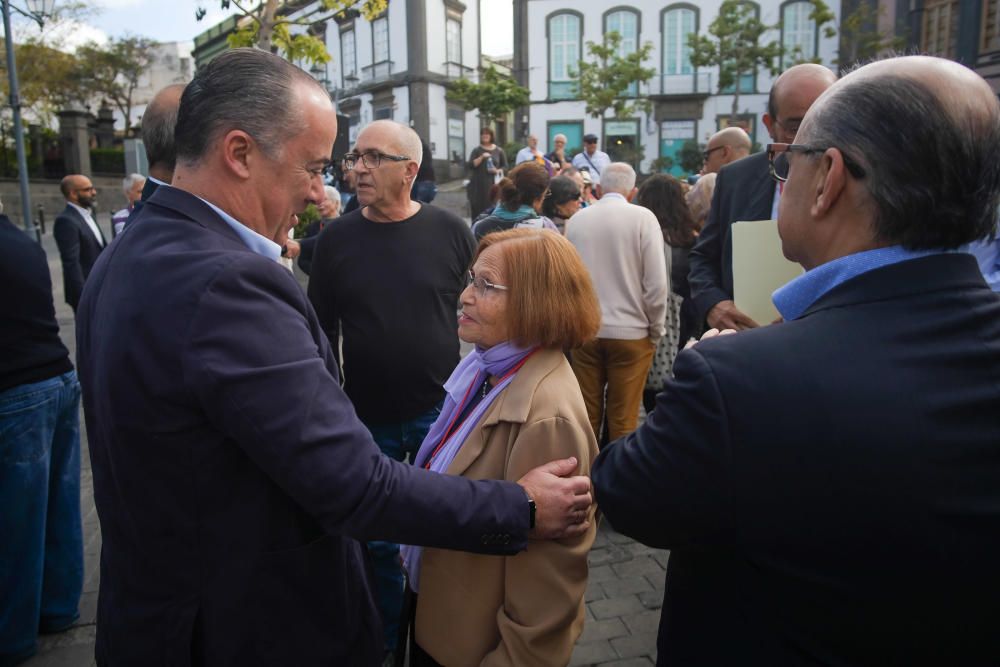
column 829, row 487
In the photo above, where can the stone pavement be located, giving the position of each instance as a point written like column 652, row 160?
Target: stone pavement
column 623, row 596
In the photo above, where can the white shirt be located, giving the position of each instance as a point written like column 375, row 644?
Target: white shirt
column 90, row 222
column 595, row 163
column 524, row 155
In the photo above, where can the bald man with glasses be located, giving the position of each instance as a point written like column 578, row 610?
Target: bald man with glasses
column 386, row 277
column 79, row 238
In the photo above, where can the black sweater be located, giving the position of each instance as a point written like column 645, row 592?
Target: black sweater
column 30, row 348
column 391, row 290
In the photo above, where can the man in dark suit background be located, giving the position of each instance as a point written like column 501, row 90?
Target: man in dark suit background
column 79, row 238
column 158, row 121
column 231, row 475
column 744, row 191
column 830, row 486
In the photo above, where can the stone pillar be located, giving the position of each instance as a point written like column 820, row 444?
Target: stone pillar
column 105, row 127
column 75, row 141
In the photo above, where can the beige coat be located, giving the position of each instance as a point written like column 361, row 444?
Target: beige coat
column 525, row 609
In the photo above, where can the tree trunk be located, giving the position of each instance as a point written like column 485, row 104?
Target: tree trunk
column 266, row 25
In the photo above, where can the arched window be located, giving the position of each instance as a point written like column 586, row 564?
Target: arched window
column 678, row 23
column 626, row 23
column 748, row 80
column 798, row 33
column 564, row 30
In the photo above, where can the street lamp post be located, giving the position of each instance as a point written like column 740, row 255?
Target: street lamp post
column 37, row 11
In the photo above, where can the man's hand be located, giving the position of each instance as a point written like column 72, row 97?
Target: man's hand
column 725, row 315
column 562, row 503
column 711, row 333
column 292, row 249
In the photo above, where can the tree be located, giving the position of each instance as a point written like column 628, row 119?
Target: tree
column 860, row 38
column 494, row 96
column 691, row 157
column 114, row 71
column 49, row 80
column 268, row 26
column 735, row 46
column 605, row 80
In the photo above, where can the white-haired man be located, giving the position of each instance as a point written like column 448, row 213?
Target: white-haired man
column 622, row 246
column 132, row 186
column 387, row 277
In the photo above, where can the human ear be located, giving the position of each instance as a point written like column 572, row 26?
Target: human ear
column 831, row 176
column 237, row 148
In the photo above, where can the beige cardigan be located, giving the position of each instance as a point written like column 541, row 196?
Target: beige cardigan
column 525, row 609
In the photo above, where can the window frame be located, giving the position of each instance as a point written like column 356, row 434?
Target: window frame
column 785, row 63
column 549, row 50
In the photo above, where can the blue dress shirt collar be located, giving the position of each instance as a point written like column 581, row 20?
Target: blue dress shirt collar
column 794, row 298
column 257, row 243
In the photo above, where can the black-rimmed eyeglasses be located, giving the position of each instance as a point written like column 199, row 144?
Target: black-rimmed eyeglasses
column 777, row 156
column 706, row 154
column 371, row 159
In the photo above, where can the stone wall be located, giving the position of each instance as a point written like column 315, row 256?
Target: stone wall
column 46, row 193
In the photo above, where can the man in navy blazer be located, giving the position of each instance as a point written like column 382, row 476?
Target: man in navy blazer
column 744, row 191
column 829, row 487
column 231, row 475
column 78, row 236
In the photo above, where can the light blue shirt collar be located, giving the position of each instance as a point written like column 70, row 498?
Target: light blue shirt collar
column 257, row 243
column 795, row 298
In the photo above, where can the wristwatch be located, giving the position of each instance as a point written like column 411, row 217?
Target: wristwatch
column 531, row 514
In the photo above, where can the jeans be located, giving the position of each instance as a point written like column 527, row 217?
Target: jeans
column 41, row 548
column 396, row 440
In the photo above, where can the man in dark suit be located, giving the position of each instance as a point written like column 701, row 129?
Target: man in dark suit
column 829, row 487
column 79, row 238
column 231, row 474
column 744, row 191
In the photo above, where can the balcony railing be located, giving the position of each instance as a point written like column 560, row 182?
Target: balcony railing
column 457, row 71
column 698, row 83
column 377, row 71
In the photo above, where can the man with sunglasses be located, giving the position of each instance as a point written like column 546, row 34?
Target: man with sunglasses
column 386, row 278
column 744, row 191
column 829, row 487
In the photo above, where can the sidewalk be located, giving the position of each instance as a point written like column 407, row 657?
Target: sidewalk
column 623, row 596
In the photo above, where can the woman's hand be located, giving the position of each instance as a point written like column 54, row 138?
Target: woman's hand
column 562, row 503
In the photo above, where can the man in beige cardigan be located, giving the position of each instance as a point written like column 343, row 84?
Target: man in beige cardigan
column 622, row 247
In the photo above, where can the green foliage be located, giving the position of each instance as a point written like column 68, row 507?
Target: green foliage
column 306, row 218
column 606, row 79
column 510, row 149
column 735, row 47
column 48, row 79
column 661, row 164
column 107, row 161
column 690, row 156
column 113, row 72
column 494, row 96
column 268, row 27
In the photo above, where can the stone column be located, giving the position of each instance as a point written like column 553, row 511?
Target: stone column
column 105, row 127
column 75, row 141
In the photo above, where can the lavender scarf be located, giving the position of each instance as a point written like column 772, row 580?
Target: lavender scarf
column 472, row 371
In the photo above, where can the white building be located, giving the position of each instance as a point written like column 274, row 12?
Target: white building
column 397, row 66
column 550, row 38
column 171, row 63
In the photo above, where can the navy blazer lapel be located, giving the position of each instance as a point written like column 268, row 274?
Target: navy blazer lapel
column 85, row 228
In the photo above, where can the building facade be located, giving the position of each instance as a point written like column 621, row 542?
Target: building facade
column 550, row 38
column 398, row 67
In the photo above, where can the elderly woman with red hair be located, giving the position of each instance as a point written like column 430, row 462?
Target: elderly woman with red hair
column 512, row 404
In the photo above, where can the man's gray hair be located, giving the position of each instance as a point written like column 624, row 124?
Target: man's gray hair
column 618, row 177
column 129, row 182
column 332, row 193
column 158, row 123
column 241, row 89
